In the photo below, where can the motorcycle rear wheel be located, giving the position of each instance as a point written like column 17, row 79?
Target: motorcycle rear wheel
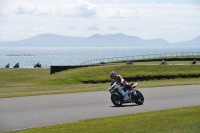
column 117, row 99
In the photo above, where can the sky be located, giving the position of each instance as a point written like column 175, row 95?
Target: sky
column 172, row 20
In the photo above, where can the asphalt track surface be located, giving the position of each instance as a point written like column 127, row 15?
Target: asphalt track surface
column 27, row 112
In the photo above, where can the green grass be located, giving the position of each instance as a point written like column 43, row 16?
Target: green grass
column 183, row 120
column 29, row 82
column 99, row 73
column 74, row 76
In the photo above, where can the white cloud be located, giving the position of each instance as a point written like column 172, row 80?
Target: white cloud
column 94, row 27
column 71, row 28
column 92, row 9
column 132, row 29
column 38, row 28
column 59, row 9
column 179, row 27
column 114, row 27
column 85, row 9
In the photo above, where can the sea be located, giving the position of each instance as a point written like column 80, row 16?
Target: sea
column 27, row 57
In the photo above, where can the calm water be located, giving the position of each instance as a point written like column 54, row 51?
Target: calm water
column 27, row 57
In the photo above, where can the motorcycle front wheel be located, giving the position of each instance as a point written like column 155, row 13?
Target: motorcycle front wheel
column 140, row 98
column 117, row 99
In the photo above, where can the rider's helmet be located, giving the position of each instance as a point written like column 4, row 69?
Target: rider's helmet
column 113, row 75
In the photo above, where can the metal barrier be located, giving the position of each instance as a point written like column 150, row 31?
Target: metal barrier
column 141, row 57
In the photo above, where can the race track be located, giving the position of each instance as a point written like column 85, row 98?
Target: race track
column 33, row 111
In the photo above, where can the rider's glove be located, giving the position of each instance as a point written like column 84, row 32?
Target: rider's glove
column 121, row 84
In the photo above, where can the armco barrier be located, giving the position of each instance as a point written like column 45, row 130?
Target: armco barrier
column 55, row 69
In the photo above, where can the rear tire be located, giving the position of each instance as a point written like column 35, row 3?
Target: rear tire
column 140, row 98
column 117, row 99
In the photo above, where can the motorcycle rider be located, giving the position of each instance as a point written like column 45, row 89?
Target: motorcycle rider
column 119, row 80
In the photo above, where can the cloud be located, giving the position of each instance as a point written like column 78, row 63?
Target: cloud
column 93, row 27
column 132, row 29
column 71, row 28
column 179, row 27
column 85, row 9
column 38, row 28
column 114, row 27
column 152, row 11
column 100, row 10
column 52, row 8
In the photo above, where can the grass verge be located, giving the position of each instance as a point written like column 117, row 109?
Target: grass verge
column 182, row 120
column 32, row 90
column 30, row 82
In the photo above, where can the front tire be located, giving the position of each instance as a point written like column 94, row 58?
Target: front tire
column 140, row 98
column 117, row 99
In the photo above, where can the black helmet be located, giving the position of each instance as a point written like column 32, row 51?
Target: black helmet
column 113, row 74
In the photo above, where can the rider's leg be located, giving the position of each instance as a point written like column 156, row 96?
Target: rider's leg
column 132, row 90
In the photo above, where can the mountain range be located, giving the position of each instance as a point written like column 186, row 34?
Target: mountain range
column 96, row 40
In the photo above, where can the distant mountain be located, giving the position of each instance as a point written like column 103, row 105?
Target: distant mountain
column 193, row 42
column 97, row 40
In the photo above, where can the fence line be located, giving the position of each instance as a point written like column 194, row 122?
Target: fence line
column 140, row 57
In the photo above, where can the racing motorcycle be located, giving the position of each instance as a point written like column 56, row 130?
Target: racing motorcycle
column 120, row 95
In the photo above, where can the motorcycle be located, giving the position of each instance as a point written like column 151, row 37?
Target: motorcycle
column 38, row 65
column 120, row 95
